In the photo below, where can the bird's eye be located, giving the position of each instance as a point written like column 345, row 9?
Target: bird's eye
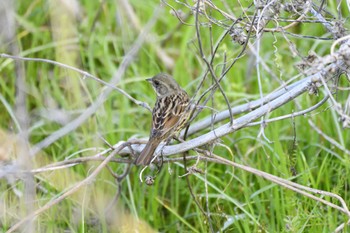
column 156, row 82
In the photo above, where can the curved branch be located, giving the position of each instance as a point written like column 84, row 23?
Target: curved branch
column 238, row 123
column 128, row 58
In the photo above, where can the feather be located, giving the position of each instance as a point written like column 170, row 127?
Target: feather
column 168, row 117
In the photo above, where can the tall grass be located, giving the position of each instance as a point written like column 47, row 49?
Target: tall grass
column 96, row 39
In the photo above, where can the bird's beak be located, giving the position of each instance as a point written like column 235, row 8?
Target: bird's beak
column 149, row 80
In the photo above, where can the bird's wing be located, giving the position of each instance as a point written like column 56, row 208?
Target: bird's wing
column 166, row 114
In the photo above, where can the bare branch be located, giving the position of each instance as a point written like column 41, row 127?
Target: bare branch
column 103, row 96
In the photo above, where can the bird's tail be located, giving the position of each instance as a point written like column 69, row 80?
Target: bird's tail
column 146, row 154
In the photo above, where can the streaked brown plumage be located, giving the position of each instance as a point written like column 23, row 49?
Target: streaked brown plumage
column 169, row 115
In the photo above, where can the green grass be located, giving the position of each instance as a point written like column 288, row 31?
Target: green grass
column 238, row 200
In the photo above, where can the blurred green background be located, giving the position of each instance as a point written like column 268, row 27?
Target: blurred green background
column 95, row 36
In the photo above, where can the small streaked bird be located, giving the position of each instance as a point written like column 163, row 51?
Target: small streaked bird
column 169, row 115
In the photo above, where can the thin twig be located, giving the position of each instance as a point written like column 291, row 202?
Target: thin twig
column 128, row 58
column 217, row 82
column 328, row 138
column 291, row 185
column 84, row 73
column 69, row 192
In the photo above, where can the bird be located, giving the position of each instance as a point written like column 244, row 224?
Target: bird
column 170, row 114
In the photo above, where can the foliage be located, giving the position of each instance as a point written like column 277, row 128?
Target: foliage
column 96, row 36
